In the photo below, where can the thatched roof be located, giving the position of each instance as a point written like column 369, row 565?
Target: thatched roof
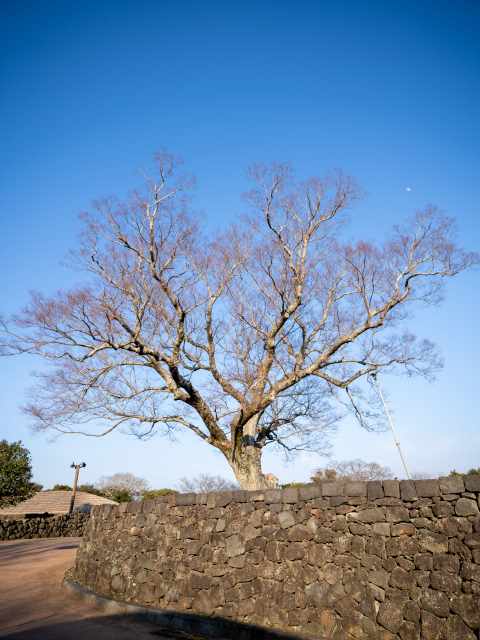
column 56, row 502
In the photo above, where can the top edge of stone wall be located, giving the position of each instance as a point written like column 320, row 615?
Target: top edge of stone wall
column 405, row 490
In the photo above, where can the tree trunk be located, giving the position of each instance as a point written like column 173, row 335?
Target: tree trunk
column 246, row 460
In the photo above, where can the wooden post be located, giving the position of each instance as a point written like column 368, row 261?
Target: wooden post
column 77, row 469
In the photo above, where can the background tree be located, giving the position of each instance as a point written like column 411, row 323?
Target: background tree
column 15, row 474
column 258, row 337
column 205, row 482
column 158, row 493
column 472, row 472
column 89, row 488
column 352, row 471
column 85, row 488
column 122, row 487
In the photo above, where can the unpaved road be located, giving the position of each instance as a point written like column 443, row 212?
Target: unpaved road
column 33, row 605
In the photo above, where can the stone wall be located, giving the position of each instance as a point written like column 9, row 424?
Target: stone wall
column 384, row 560
column 42, row 525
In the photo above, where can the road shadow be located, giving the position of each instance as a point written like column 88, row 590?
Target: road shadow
column 31, row 548
column 107, row 627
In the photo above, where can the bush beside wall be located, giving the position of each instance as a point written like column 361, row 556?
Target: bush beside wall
column 383, row 560
column 43, row 525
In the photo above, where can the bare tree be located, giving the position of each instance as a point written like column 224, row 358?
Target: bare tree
column 426, row 475
column 120, row 482
column 255, row 337
column 352, row 471
column 204, row 483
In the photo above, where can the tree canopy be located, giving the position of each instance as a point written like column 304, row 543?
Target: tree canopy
column 15, row 474
column 255, row 337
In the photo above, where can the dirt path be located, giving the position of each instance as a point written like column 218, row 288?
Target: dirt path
column 33, row 606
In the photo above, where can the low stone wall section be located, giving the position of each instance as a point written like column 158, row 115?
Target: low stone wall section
column 380, row 560
column 44, row 525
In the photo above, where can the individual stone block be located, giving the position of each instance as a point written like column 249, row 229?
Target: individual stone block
column 376, row 547
column 434, row 542
column 256, row 519
column 445, row 581
column 332, row 489
column 246, row 508
column 451, row 484
column 234, row 546
column 381, row 529
column 299, row 533
column 286, row 519
column 332, row 573
column 401, row 546
column 223, row 498
column 411, row 611
column 202, row 603
column 355, row 589
column 239, row 496
column 276, row 507
column 290, row 495
column 249, row 589
column 186, row 499
column 355, row 489
column 408, row 631
column 390, row 616
column 424, row 561
column 274, row 551
column 273, row 496
column 467, row 609
column 317, row 594
column 379, row 577
column 427, row 488
column 201, row 498
column 373, row 591
column 368, row 607
column 472, row 483
column 435, row 602
column 370, row 561
column 391, row 488
column 371, row 515
column 466, row 507
column 470, row 571
column 456, row 629
column 374, row 490
column 408, row 491
column 397, row 514
column 134, row 507
column 431, row 626
column 255, row 496
column 294, row 551
column 472, row 540
column 310, row 492
column 402, row 529
column 443, row 509
column 211, row 497
column 221, row 524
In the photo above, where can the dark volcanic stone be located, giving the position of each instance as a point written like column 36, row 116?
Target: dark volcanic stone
column 390, row 616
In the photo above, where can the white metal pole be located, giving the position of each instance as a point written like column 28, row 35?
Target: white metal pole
column 374, row 376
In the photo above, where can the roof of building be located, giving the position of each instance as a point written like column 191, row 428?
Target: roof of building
column 56, row 502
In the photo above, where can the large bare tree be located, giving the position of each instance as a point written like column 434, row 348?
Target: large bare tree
column 247, row 337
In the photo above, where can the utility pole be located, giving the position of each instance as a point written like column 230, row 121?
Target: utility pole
column 374, row 376
column 77, row 468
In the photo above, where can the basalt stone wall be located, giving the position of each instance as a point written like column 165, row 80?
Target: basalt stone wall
column 43, row 525
column 382, row 560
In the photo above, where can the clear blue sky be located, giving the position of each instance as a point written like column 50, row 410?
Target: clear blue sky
column 389, row 91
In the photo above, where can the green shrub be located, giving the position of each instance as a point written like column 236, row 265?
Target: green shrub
column 157, row 493
column 15, row 474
